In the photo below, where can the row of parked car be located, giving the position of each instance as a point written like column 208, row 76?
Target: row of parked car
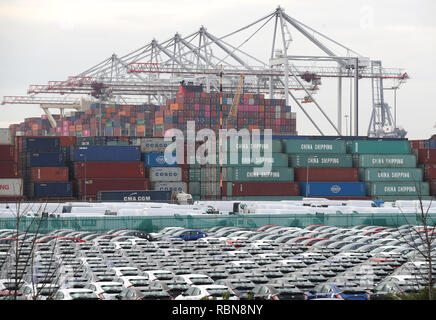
column 225, row 262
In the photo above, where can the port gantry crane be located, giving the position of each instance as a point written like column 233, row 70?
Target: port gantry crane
column 152, row 73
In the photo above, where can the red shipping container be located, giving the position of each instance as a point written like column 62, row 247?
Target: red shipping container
column 90, row 187
column 326, row 174
column 50, row 174
column 430, row 171
column 426, row 156
column 262, row 189
column 416, row 144
column 8, row 169
column 127, row 169
column 67, row 141
column 6, row 152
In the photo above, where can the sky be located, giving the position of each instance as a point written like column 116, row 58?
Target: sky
column 52, row 39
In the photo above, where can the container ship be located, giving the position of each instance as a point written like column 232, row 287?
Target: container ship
column 82, row 159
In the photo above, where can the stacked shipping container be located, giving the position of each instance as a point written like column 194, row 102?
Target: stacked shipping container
column 107, row 168
column 11, row 184
column 388, row 169
column 323, row 168
column 43, row 165
column 425, row 151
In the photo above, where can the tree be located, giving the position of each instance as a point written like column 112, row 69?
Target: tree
column 23, row 262
column 422, row 240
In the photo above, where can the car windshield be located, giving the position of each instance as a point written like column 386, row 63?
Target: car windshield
column 163, row 276
column 201, row 280
column 47, row 291
column 218, row 292
column 84, row 296
column 139, row 282
column 112, row 289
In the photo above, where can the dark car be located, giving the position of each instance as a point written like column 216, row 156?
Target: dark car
column 345, row 291
column 188, row 235
column 241, row 286
column 278, row 292
column 173, row 288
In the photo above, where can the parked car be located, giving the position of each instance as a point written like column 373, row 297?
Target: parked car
column 207, row 292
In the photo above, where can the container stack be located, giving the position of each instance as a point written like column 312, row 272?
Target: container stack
column 163, row 175
column 107, row 168
column 43, row 165
column 323, row 169
column 425, row 150
column 243, row 175
column 389, row 170
column 254, row 112
column 11, row 183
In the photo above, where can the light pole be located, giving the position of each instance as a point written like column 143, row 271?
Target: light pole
column 307, row 174
column 346, row 124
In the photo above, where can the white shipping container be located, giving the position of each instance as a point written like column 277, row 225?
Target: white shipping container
column 169, row 186
column 5, row 136
column 151, row 144
column 165, row 174
column 11, row 187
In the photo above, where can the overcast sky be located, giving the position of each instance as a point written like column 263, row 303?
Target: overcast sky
column 50, row 40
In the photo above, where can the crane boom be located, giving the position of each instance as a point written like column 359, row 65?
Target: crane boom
column 235, row 103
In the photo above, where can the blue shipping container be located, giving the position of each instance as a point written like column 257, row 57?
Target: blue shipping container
column 134, row 196
column 106, row 153
column 332, row 189
column 156, row 159
column 46, row 159
column 53, row 190
column 41, row 144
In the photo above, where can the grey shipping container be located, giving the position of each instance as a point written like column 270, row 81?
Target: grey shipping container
column 158, row 174
column 151, row 144
column 169, row 186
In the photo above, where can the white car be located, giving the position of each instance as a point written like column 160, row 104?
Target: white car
column 194, row 279
column 133, row 281
column 127, row 271
column 75, row 294
column 39, row 291
column 207, row 291
column 159, row 275
column 106, row 290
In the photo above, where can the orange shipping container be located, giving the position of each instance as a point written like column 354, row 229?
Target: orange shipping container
column 50, row 174
column 158, row 121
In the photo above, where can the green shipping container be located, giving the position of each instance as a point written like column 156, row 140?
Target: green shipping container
column 247, row 174
column 397, row 189
column 384, row 161
column 320, row 161
column 276, row 159
column 194, row 188
column 379, row 147
column 263, row 198
column 276, row 146
column 390, row 174
column 394, row 198
column 314, row 146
